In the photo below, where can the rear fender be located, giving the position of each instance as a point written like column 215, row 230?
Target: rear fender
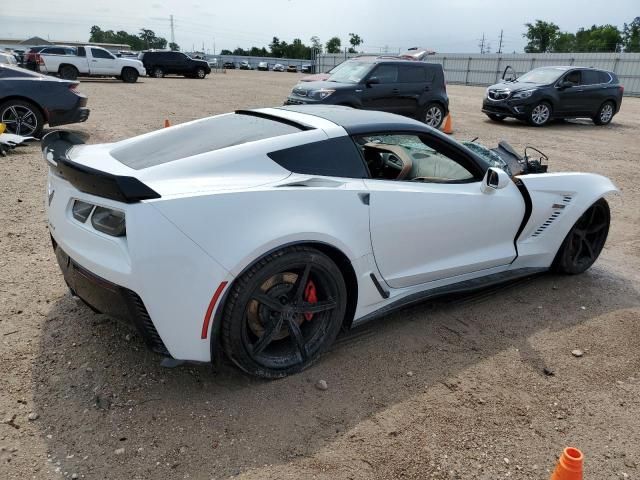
column 558, row 201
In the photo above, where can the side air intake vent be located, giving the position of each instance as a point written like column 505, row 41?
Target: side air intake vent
column 557, row 211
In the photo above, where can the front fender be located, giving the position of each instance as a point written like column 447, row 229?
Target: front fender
column 558, row 200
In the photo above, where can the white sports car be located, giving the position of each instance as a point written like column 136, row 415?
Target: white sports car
column 261, row 233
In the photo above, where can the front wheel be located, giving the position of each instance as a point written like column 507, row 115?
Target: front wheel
column 129, row 75
column 605, row 114
column 540, row 114
column 433, row 115
column 200, row 73
column 584, row 242
column 284, row 312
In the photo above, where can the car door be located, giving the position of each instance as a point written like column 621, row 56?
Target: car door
column 102, row 62
column 437, row 222
column 381, row 88
column 412, row 84
column 594, row 92
column 571, row 94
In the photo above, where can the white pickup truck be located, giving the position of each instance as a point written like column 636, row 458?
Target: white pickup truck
column 91, row 61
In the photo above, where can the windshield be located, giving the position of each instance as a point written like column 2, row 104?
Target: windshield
column 350, row 72
column 542, row 76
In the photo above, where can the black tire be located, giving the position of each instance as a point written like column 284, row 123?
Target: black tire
column 433, row 115
column 68, row 72
column 540, row 114
column 605, row 113
column 129, row 75
column 495, row 117
column 200, row 73
column 157, row 72
column 267, row 329
column 22, row 118
column 584, row 242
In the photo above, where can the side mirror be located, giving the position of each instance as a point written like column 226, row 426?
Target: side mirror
column 565, row 84
column 494, row 179
column 373, row 81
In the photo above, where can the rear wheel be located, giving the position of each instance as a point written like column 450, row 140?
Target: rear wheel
column 540, row 114
column 433, row 115
column 22, row 118
column 157, row 72
column 584, row 242
column 605, row 114
column 495, row 117
column 129, row 75
column 284, row 312
column 68, row 72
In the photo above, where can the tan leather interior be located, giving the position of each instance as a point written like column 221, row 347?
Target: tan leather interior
column 398, row 151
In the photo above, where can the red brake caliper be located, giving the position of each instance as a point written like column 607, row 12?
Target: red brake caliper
column 310, row 296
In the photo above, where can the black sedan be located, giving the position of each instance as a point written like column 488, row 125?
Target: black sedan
column 29, row 100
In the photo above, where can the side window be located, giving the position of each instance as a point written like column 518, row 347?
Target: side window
column 336, row 157
column 411, row 158
column 99, row 53
column 412, row 74
column 54, row 51
column 604, row 77
column 590, row 77
column 82, row 52
column 386, row 73
column 573, row 77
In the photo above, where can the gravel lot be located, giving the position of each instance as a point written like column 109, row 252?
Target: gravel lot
column 454, row 389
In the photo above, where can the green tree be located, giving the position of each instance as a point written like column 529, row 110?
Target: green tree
column 96, row 35
column 564, row 42
column 226, row 52
column 355, row 40
column 174, row 46
column 604, row 38
column 631, row 36
column 333, row 45
column 316, row 44
column 540, row 36
column 150, row 40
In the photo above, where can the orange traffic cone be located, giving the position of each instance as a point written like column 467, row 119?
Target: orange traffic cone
column 447, row 127
column 166, row 123
column 569, row 465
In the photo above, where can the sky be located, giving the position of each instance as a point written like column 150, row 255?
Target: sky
column 446, row 26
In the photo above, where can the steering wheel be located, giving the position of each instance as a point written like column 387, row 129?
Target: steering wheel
column 392, row 161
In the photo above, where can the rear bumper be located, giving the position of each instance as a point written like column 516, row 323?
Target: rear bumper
column 65, row 117
column 103, row 296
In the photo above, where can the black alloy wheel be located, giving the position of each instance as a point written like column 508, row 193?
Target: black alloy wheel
column 22, row 118
column 284, row 312
column 584, row 242
column 157, row 72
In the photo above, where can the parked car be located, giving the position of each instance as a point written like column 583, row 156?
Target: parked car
column 548, row 93
column 32, row 57
column 292, row 69
column 278, row 67
column 229, row 65
column 90, row 61
column 161, row 63
column 213, row 63
column 264, row 66
column 406, row 87
column 7, row 58
column 317, row 77
column 273, row 302
column 307, row 68
column 29, row 100
column 245, row 65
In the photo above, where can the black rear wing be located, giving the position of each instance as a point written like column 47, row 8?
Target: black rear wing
column 55, row 148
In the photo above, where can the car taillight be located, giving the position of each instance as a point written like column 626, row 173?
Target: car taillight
column 109, row 221
column 622, row 89
column 39, row 59
column 73, row 86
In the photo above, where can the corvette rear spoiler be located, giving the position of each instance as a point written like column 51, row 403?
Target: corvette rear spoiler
column 55, row 149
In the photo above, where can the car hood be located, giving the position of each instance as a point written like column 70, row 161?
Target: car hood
column 318, row 77
column 308, row 86
column 514, row 86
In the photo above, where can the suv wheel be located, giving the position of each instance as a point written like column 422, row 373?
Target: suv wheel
column 201, row 73
column 605, row 114
column 157, row 72
column 433, row 115
column 540, row 114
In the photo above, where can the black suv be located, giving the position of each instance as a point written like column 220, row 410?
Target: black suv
column 159, row 64
column 390, row 84
column 555, row 92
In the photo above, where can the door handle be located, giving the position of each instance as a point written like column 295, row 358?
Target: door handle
column 94, row 61
column 426, row 89
column 395, row 90
column 364, row 198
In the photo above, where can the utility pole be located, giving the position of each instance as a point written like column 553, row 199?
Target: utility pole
column 500, row 44
column 173, row 36
column 481, row 44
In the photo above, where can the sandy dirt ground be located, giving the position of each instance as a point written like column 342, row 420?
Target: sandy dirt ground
column 453, row 389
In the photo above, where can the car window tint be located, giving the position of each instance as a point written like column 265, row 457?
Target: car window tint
column 604, row 77
column 98, row 53
column 206, row 135
column 336, row 157
column 412, row 74
column 573, row 77
column 590, row 77
column 409, row 158
column 54, row 51
column 386, row 73
column 81, row 52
